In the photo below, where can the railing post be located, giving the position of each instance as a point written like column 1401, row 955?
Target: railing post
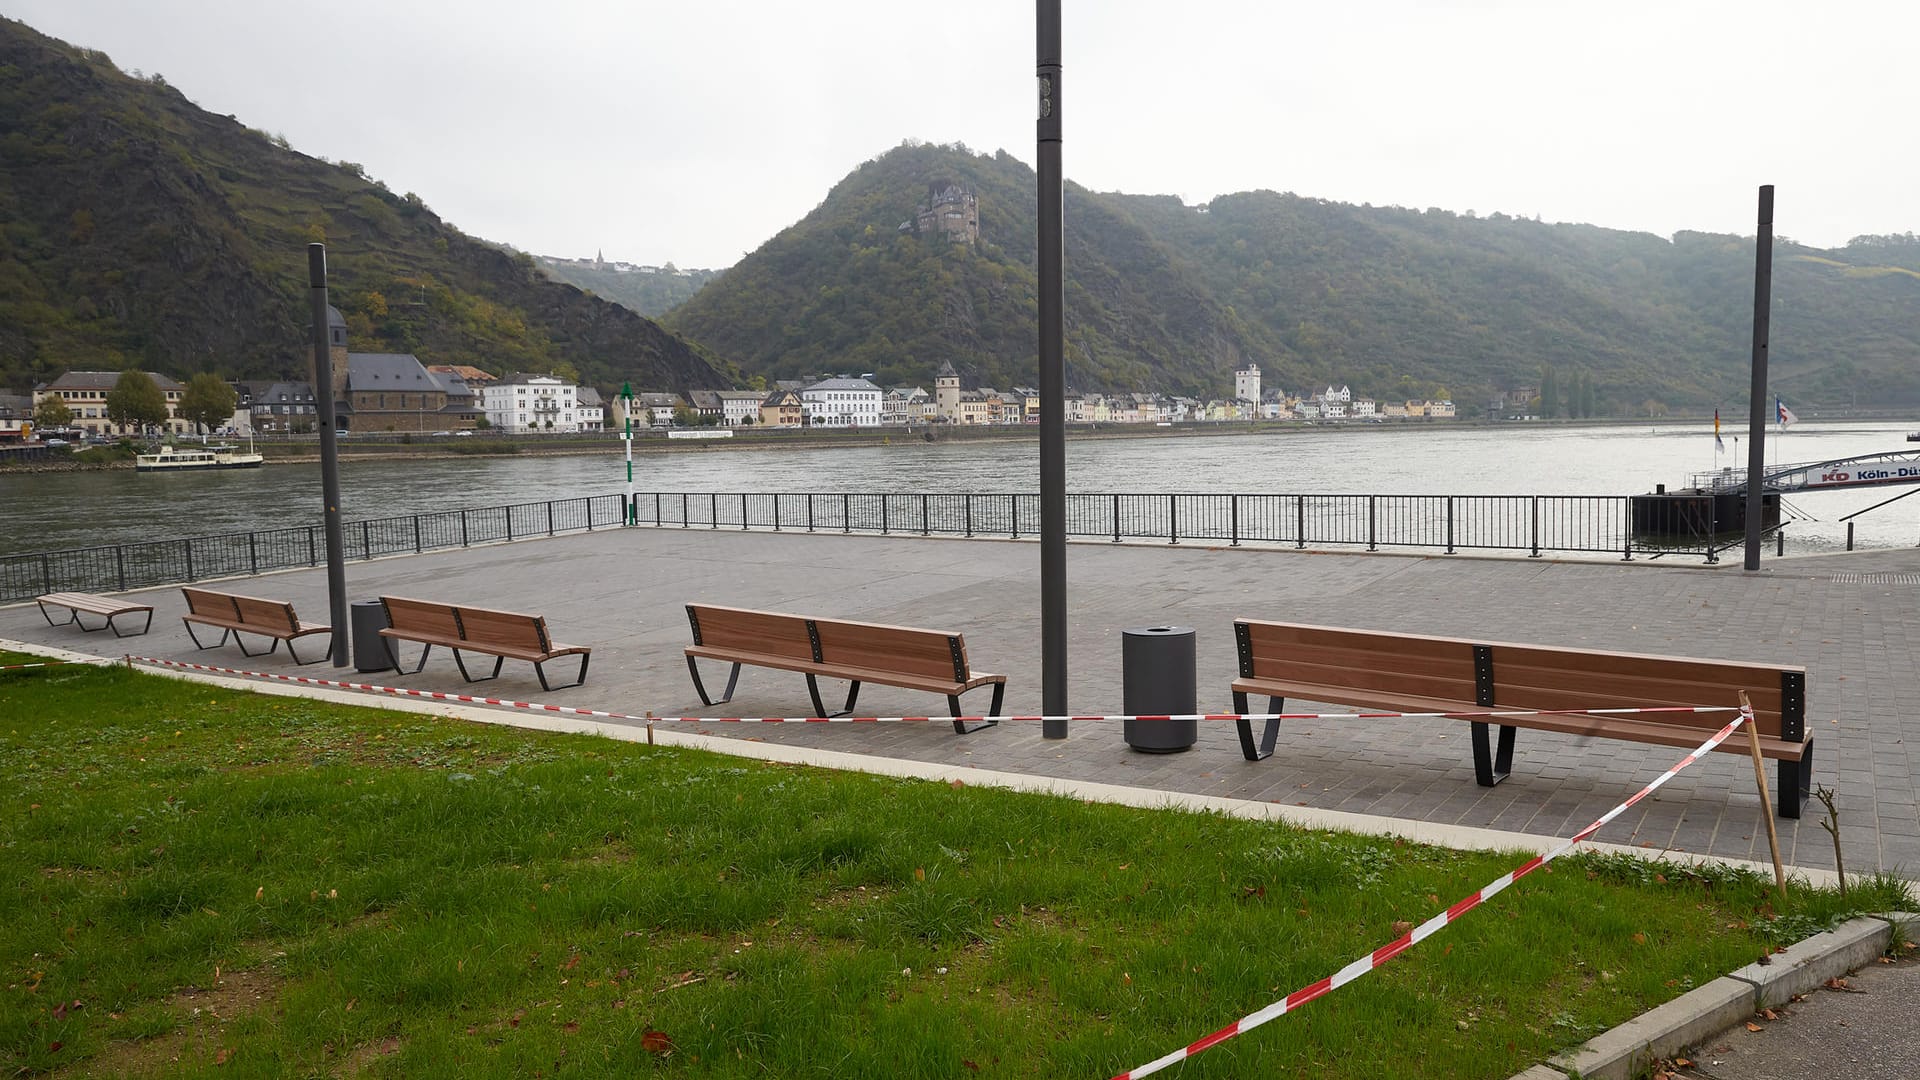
column 509, row 510
column 776, row 511
column 969, row 500
column 1300, row 521
column 418, row 547
column 1449, row 524
column 1849, row 536
column 713, row 509
column 1233, row 511
column 313, row 557
column 1627, row 531
column 119, row 565
column 926, row 529
column 809, row 511
column 846, row 512
column 253, row 554
column 1371, row 546
column 883, row 515
column 463, row 528
column 188, row 544
column 1173, row 519
column 1116, row 519
column 1015, row 499
column 1534, row 502
column 46, row 571
column 366, row 536
column 549, row 517
column 686, row 517
column 1780, row 542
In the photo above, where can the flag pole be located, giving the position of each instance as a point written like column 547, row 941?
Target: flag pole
column 1757, row 397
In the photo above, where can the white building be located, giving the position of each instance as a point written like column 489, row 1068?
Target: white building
column 1365, row 407
column 905, row 405
column 524, row 404
column 842, row 402
column 739, row 407
column 1246, row 383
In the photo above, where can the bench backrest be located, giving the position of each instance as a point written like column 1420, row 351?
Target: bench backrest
column 1488, row 674
column 275, row 615
column 768, row 632
column 421, row 617
column 904, row 650
column 1392, row 665
column 503, row 628
column 209, row 604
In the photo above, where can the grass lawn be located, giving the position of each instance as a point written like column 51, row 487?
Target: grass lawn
column 205, row 882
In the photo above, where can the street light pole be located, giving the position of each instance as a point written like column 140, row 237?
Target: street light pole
column 1053, row 422
column 329, row 452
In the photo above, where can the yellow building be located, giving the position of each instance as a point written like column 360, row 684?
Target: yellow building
column 85, row 393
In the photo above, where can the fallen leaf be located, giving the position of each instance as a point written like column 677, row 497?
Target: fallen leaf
column 919, row 873
column 957, row 783
column 1639, row 939
column 1684, row 1063
column 1769, row 1014
column 1402, row 927
column 969, row 1064
column 573, row 961
column 656, row 1042
column 221, row 1057
column 570, row 1027
column 1836, row 984
column 1751, row 1026
column 260, row 892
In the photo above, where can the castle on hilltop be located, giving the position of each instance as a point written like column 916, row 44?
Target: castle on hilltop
column 950, row 210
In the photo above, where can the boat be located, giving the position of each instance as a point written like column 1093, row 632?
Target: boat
column 1913, row 436
column 186, row 458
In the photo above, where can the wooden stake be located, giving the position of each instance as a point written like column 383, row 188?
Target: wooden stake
column 1766, row 800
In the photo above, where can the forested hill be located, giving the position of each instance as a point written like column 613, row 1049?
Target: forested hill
column 138, row 229
column 1394, row 302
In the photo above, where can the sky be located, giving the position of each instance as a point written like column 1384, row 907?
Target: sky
column 693, row 132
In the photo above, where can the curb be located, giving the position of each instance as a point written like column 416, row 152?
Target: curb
column 1629, row 1050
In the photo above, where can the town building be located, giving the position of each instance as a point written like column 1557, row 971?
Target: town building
column 783, row 409
column 905, row 405
column 1246, row 383
column 392, row 391
column 649, row 410
column 16, row 417
column 525, row 403
column 739, row 408
column 842, row 402
column 280, row 407
column 592, row 414
column 950, row 211
column 85, row 393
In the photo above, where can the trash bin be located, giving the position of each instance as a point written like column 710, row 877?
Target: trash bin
column 1157, row 678
column 367, row 618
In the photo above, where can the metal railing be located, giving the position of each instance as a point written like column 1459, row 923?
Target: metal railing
column 120, row 567
column 1534, row 524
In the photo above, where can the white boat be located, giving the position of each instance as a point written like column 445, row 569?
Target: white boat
column 183, row 458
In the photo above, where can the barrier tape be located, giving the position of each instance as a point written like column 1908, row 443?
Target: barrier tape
column 55, row 663
column 1426, row 929
column 473, row 699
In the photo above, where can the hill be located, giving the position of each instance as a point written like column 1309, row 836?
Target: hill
column 137, row 228
column 649, row 290
column 1392, row 301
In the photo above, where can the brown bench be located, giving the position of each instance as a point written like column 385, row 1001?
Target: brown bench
column 236, row 615
column 503, row 635
column 104, row 606
column 932, row 660
column 1412, row 673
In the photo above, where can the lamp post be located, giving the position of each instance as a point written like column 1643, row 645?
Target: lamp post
column 1053, row 428
column 626, row 395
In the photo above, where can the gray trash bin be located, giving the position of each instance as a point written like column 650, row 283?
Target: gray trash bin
column 1157, row 678
column 367, row 618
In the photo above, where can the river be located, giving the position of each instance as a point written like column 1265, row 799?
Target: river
column 50, row 511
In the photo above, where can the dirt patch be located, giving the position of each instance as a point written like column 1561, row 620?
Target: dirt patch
column 361, row 1057
column 199, row 1037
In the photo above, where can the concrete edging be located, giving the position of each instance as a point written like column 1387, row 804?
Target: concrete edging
column 1665, row 1030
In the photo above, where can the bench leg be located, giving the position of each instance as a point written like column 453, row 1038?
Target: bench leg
column 224, row 634
column 733, row 677
column 131, row 633
column 303, row 663
column 540, row 671
column 1489, row 767
column 73, row 616
column 242, row 642
column 1795, row 781
column 393, row 654
column 813, row 688
column 960, row 728
column 462, row 665
column 1268, row 736
column 853, row 695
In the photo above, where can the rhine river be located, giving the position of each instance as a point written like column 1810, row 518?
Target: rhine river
column 50, row 511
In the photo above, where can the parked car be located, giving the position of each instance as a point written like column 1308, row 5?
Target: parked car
column 56, row 442
column 464, row 433
column 439, row 433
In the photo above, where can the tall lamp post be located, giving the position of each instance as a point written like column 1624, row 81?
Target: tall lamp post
column 626, row 395
column 1053, row 420
column 329, row 452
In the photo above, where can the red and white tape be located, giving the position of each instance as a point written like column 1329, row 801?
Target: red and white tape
column 1426, row 929
column 54, row 663
column 474, row 699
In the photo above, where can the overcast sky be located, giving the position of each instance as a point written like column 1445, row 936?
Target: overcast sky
column 694, row 131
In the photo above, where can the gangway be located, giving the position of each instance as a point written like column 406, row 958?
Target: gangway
column 1865, row 470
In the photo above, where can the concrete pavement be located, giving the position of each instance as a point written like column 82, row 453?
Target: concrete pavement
column 1851, row 619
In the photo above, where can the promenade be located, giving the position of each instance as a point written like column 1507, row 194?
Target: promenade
column 1850, row 619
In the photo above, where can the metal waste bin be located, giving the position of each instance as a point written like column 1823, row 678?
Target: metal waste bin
column 1157, row 678
column 367, row 618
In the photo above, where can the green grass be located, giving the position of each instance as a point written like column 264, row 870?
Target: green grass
column 205, row 882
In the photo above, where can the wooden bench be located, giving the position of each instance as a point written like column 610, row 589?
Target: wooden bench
column 1412, row 673
column 503, row 635
column 103, row 606
column 236, row 615
column 932, row 660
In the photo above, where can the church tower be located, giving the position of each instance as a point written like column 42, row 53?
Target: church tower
column 946, row 392
column 337, row 352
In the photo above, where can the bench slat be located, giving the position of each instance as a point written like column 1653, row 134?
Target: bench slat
column 763, row 633
column 901, row 651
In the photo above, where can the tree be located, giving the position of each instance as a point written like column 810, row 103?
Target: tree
column 51, row 414
column 136, row 401
column 208, row 401
column 1549, row 393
